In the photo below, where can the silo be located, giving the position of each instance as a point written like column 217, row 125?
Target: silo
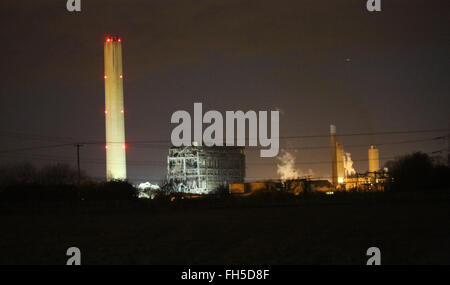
column 374, row 160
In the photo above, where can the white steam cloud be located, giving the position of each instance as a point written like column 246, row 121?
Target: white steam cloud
column 286, row 167
column 348, row 165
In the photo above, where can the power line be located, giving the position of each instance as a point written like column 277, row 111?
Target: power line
column 78, row 162
column 73, row 140
column 353, row 146
column 160, row 162
column 310, row 136
column 87, row 160
column 153, row 161
column 151, row 144
column 40, row 137
column 373, row 133
column 36, row 147
column 329, row 161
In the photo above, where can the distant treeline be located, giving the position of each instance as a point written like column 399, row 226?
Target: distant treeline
column 28, row 174
column 418, row 172
column 58, row 182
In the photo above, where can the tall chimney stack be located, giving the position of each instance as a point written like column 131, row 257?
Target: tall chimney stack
column 334, row 171
column 116, row 168
column 340, row 162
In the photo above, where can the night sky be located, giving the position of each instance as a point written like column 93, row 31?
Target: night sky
column 317, row 61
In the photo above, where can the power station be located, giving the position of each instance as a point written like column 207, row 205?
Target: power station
column 203, row 170
column 115, row 146
column 344, row 176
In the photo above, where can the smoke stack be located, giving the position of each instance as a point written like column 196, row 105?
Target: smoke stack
column 116, row 168
column 334, row 174
column 374, row 160
column 340, row 157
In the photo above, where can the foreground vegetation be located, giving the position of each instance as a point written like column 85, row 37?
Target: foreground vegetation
column 42, row 213
column 252, row 230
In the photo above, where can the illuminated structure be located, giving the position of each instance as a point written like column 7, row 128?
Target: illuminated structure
column 374, row 160
column 334, row 170
column 340, row 162
column 337, row 158
column 203, row 170
column 116, row 168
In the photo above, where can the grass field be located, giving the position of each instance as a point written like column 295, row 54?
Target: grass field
column 317, row 232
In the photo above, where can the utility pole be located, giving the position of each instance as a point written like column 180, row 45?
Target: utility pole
column 78, row 145
column 448, row 151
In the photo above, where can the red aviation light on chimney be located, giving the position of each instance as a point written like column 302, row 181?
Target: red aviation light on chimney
column 124, row 146
column 121, row 76
column 106, row 146
column 109, row 39
column 106, row 112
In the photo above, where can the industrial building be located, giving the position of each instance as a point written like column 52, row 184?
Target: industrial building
column 293, row 186
column 365, row 182
column 344, row 176
column 204, row 170
column 249, row 188
column 345, row 179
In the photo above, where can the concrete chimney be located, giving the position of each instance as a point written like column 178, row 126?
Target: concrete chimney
column 116, row 168
column 334, row 171
column 340, row 162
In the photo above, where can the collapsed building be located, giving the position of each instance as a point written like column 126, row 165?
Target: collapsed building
column 204, row 170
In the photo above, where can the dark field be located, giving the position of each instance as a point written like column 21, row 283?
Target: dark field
column 329, row 231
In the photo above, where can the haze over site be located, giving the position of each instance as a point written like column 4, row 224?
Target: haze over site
column 307, row 59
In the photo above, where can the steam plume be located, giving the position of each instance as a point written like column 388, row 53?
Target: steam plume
column 348, row 165
column 286, row 167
